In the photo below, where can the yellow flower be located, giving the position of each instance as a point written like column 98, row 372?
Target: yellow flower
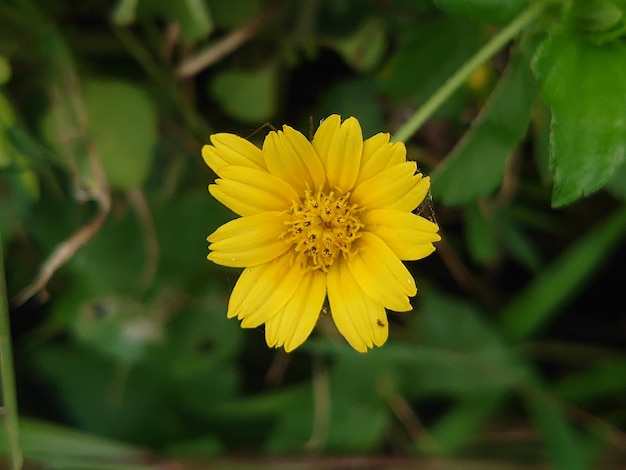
column 331, row 218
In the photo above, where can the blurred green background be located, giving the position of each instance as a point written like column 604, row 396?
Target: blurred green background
column 514, row 356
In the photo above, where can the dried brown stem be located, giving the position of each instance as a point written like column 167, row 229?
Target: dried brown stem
column 97, row 190
column 140, row 206
column 321, row 402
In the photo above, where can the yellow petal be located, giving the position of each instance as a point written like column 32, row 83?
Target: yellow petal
column 359, row 318
column 408, row 235
column 376, row 159
column 262, row 180
column 230, row 149
column 247, row 191
column 261, row 291
column 291, row 157
column 413, row 197
column 340, row 147
column 380, row 274
column 249, row 241
column 387, row 187
column 293, row 324
column 371, row 145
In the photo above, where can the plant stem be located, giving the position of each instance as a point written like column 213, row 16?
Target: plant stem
column 462, row 74
column 7, row 375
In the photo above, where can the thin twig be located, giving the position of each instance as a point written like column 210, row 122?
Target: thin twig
column 226, row 45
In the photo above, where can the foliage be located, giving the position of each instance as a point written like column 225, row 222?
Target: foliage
column 103, row 112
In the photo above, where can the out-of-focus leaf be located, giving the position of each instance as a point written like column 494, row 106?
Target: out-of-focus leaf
column 496, row 11
column 480, row 234
column 201, row 447
column 182, row 225
column 467, row 356
column 122, row 122
column 432, row 53
column 111, row 262
column 603, row 21
column 518, row 244
column 354, row 97
column 247, row 96
column 365, row 48
column 230, row 14
column 124, row 12
column 357, row 414
column 7, row 115
column 5, row 70
column 7, row 120
column 558, row 282
column 562, row 445
column 541, row 140
column 193, row 16
column 602, row 380
column 107, row 399
column 476, row 165
column 201, row 333
column 119, row 326
column 585, row 87
column 18, row 182
column 460, row 424
column 357, row 387
column 50, row 443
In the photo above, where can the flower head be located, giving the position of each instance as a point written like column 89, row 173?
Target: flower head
column 328, row 219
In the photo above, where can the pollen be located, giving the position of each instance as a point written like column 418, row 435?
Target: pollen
column 323, row 225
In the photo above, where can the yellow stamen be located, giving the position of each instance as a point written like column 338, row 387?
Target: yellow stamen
column 323, row 225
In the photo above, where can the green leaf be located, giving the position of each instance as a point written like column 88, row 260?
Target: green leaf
column 247, row 96
column 495, row 11
column 476, row 165
column 585, row 87
column 561, row 280
column 122, row 121
column 617, row 184
column 364, row 49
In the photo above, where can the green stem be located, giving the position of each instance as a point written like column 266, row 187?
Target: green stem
column 462, row 74
column 7, row 375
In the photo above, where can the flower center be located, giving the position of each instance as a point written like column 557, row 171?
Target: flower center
column 322, row 226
